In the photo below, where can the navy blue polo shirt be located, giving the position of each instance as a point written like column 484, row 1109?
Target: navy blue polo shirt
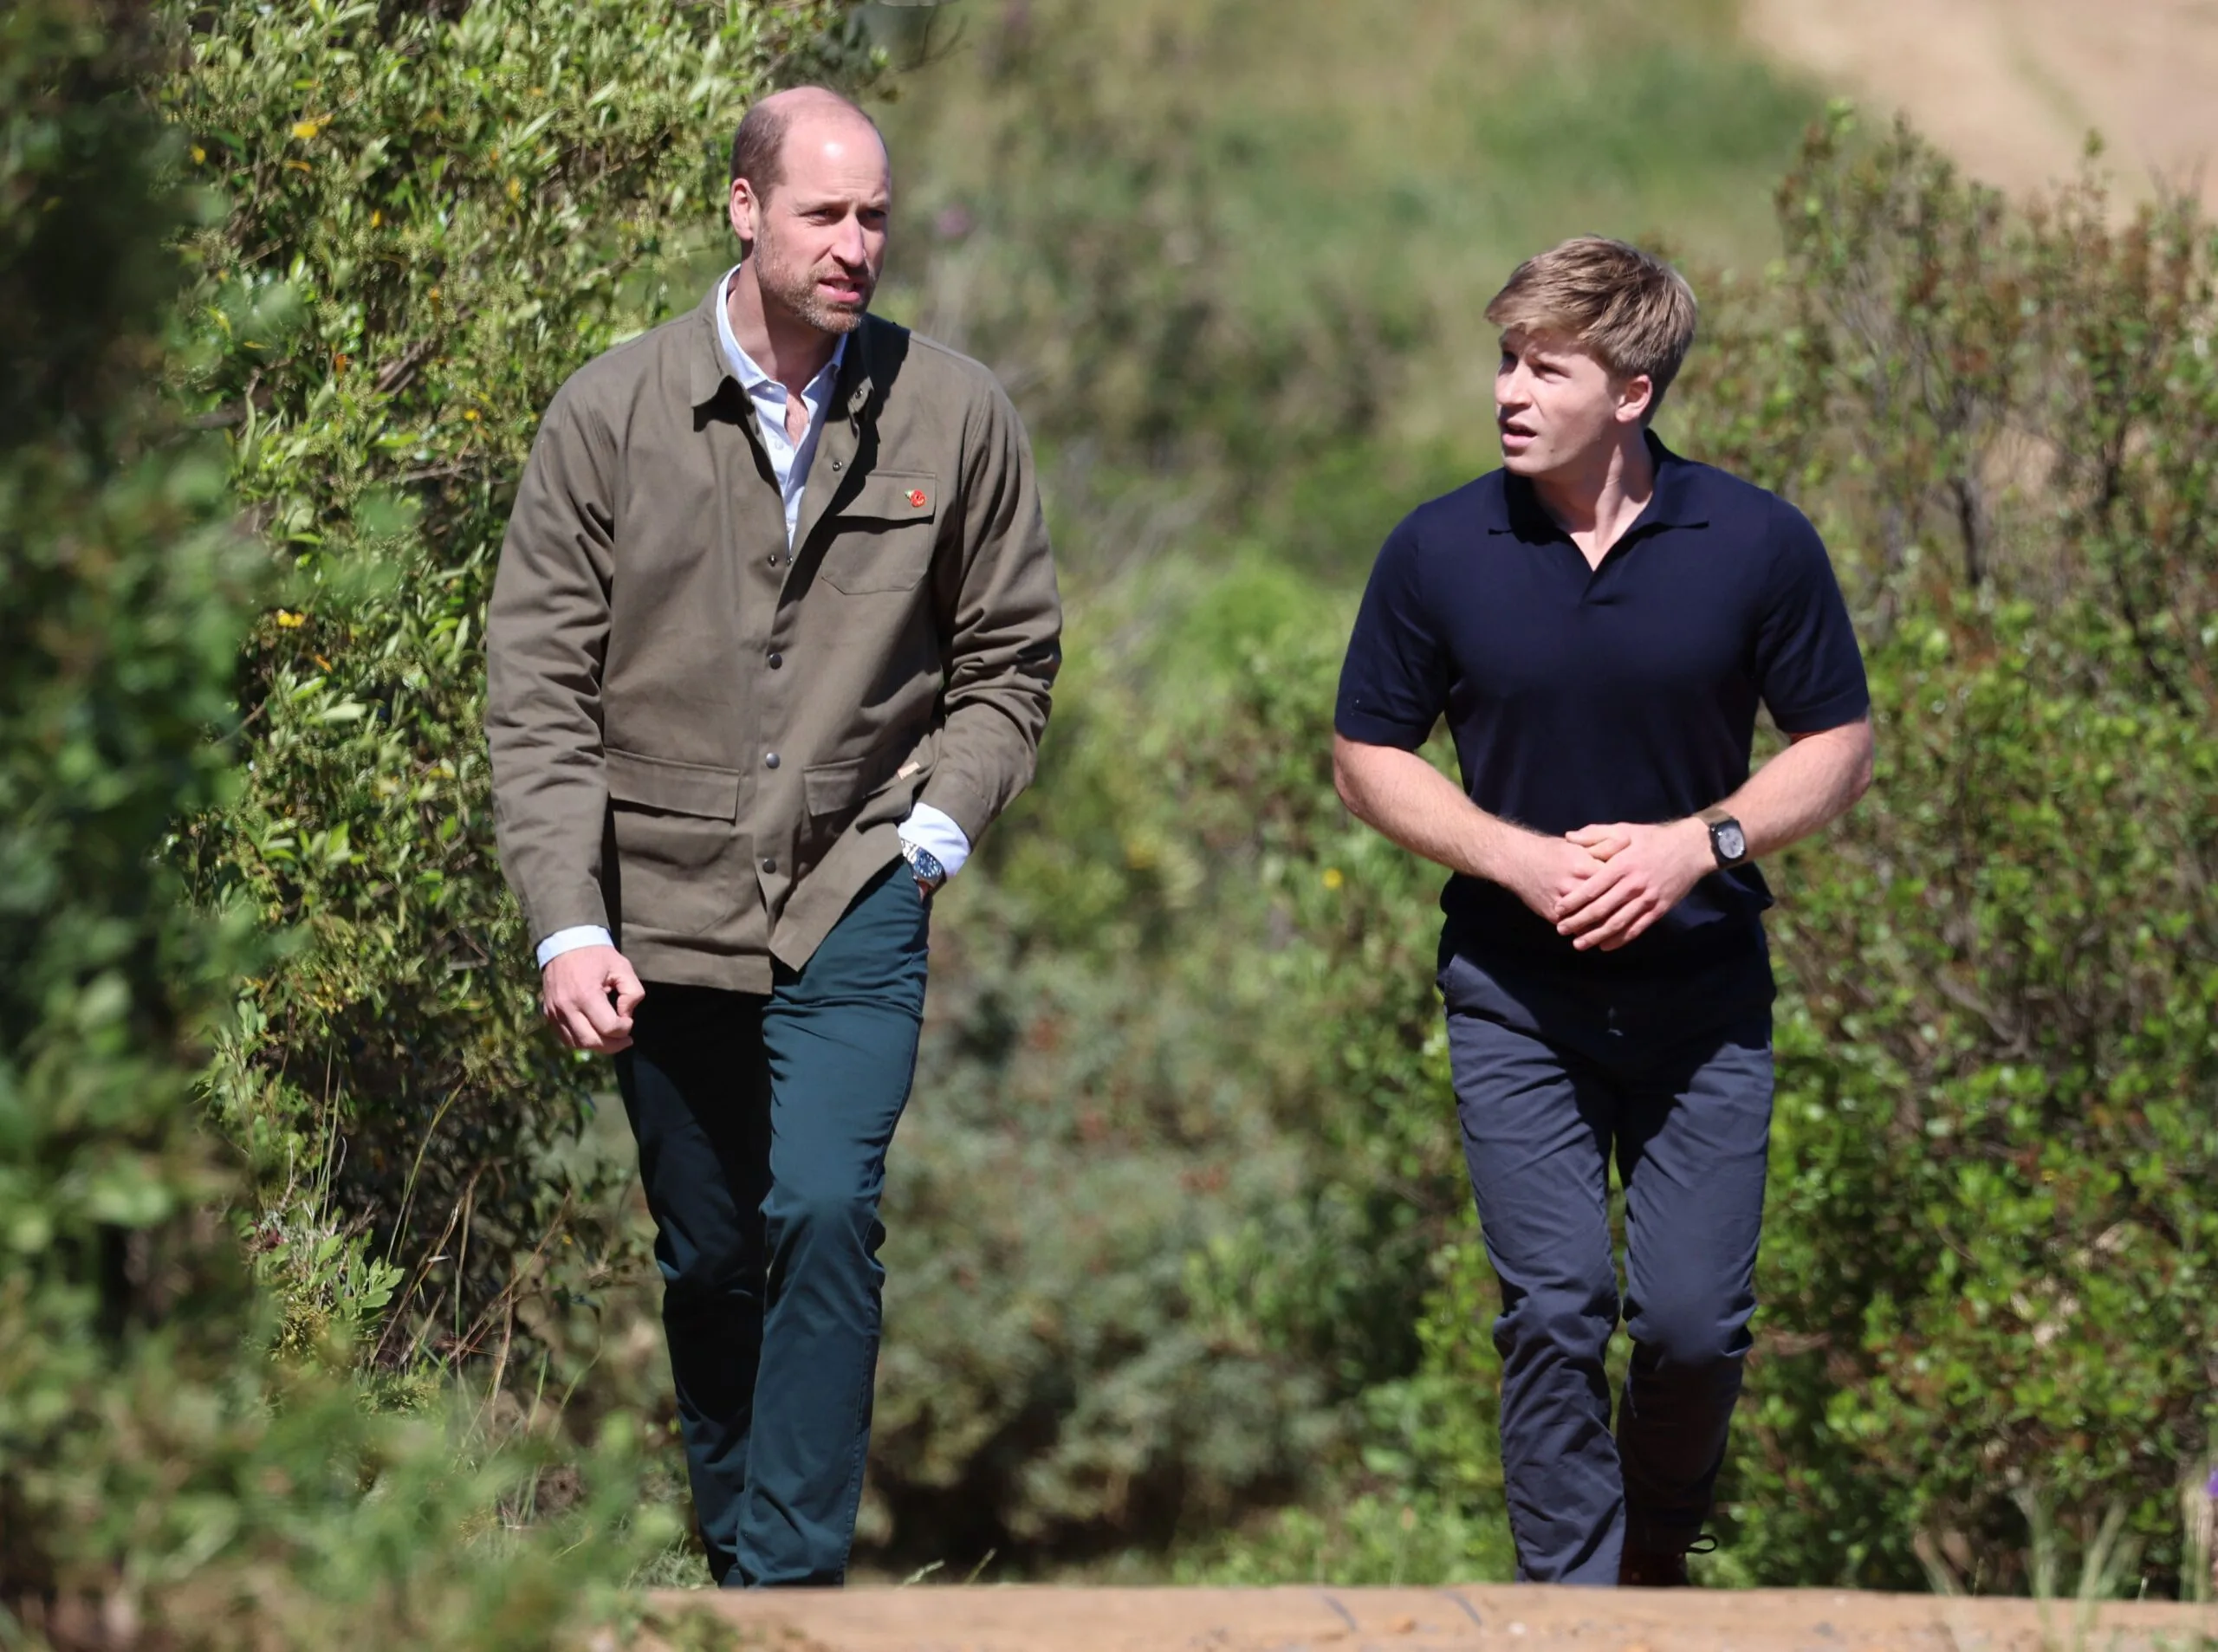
column 1581, row 696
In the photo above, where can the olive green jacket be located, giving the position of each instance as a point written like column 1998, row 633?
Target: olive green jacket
column 705, row 742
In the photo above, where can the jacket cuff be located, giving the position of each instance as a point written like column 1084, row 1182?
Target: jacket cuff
column 972, row 813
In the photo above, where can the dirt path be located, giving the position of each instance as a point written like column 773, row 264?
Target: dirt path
column 1496, row 1618
column 2011, row 87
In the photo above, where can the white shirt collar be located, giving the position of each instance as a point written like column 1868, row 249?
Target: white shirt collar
column 743, row 366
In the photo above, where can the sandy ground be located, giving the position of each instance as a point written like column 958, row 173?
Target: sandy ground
column 2013, row 86
column 1499, row 1618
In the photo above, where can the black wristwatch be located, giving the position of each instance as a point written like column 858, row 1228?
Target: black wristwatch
column 1726, row 841
column 925, row 864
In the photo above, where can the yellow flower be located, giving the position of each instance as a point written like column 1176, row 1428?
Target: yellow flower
column 305, row 130
column 376, row 219
column 1332, row 879
column 469, row 413
column 289, row 620
column 199, row 154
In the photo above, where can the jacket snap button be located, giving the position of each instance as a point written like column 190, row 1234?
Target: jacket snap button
column 770, row 759
column 770, row 866
column 776, row 660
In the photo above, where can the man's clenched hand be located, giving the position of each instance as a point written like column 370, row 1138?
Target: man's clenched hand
column 1645, row 872
column 574, row 990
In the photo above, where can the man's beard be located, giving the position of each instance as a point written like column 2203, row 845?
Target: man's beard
column 798, row 294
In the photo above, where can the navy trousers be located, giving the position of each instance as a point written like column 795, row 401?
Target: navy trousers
column 1551, row 1080
column 763, row 1126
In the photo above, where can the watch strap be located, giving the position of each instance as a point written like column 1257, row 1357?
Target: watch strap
column 924, row 865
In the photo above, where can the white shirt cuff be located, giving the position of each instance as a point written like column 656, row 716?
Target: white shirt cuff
column 929, row 828
column 562, row 941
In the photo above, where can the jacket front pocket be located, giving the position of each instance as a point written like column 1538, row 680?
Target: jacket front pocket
column 854, row 796
column 885, row 535
column 681, row 867
column 832, row 788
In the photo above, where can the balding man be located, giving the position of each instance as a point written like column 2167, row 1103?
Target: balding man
column 770, row 645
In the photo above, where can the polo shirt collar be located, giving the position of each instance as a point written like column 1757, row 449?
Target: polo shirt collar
column 1676, row 501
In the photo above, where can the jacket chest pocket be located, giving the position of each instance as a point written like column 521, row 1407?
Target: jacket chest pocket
column 886, row 534
column 682, row 867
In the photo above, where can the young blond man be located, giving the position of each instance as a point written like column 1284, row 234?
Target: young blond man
column 1598, row 621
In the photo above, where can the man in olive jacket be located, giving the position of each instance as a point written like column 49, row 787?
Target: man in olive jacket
column 770, row 645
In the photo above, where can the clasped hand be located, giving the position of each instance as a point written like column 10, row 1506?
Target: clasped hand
column 1603, row 885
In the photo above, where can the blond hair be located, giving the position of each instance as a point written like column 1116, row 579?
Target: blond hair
column 1628, row 308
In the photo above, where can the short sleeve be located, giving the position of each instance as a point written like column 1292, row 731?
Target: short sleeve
column 1809, row 670
column 1394, row 682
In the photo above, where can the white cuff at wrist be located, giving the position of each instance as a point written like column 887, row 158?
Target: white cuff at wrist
column 932, row 829
column 562, row 941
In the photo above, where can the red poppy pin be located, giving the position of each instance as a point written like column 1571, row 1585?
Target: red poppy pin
column 916, row 497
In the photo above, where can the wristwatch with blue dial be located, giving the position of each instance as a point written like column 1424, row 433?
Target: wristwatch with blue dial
column 925, row 864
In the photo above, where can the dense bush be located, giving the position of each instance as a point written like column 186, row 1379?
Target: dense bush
column 1994, row 1229
column 161, row 1481
column 164, row 1480
column 1134, row 1041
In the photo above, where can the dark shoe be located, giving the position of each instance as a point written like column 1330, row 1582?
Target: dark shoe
column 1652, row 1569
column 1660, row 1568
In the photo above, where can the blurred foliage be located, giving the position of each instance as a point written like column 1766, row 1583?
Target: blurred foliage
column 1131, row 1042
column 123, row 589
column 1230, row 258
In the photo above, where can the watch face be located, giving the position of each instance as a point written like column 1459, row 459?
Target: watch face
column 1731, row 844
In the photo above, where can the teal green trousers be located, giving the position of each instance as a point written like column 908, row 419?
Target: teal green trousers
column 763, row 1126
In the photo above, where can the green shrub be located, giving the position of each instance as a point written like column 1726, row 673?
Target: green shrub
column 163, row 1480
column 123, row 591
column 1996, row 1147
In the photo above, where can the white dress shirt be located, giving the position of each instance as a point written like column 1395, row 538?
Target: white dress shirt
column 926, row 827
